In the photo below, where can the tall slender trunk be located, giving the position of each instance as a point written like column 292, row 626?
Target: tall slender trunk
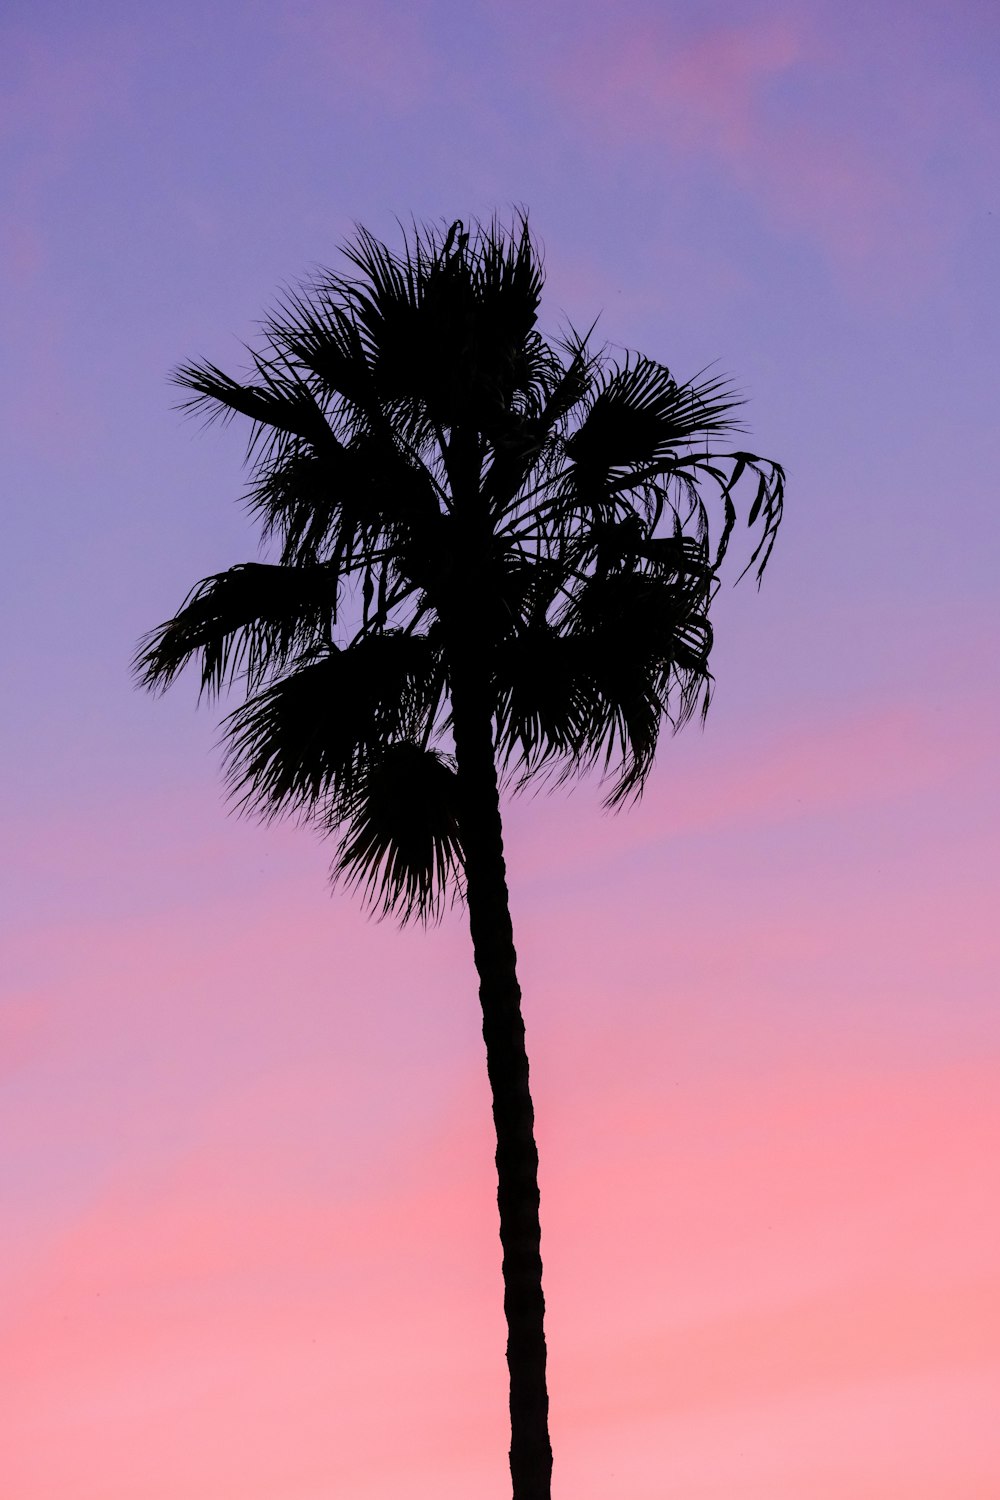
column 507, row 1064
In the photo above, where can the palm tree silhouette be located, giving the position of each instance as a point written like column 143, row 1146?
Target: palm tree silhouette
column 494, row 559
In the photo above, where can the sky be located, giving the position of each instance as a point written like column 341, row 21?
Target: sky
column 249, row 1248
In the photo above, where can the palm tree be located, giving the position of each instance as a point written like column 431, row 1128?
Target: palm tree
column 494, row 558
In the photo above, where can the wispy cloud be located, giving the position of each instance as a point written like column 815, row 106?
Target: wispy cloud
column 787, row 108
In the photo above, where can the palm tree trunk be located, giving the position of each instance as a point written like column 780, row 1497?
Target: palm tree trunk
column 507, row 1064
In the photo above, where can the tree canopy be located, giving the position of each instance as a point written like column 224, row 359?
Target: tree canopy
column 433, row 477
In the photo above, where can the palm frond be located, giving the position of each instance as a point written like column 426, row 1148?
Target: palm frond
column 342, row 507
column 402, row 848
column 643, row 644
column 628, row 651
column 306, row 741
column 526, row 443
column 249, row 621
column 446, row 323
column 768, row 507
column 640, row 419
column 543, row 703
column 281, row 404
column 313, row 329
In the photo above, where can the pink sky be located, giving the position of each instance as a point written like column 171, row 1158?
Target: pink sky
column 249, row 1244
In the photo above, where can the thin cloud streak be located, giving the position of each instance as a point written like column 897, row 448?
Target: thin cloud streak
column 737, row 96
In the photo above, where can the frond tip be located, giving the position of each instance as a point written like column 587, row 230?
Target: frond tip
column 402, row 848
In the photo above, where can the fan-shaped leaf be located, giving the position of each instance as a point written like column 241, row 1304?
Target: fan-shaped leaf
column 309, row 739
column 402, row 847
column 251, row 619
column 640, row 417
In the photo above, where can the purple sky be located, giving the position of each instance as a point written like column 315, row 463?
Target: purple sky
column 246, row 1156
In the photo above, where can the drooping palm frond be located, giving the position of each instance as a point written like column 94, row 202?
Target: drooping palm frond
column 641, row 446
column 544, row 711
column 767, row 508
column 345, row 509
column 649, row 641
column 249, row 621
column 402, row 846
column 627, row 651
column 306, row 741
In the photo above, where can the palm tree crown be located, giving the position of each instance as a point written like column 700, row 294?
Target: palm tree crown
column 438, row 480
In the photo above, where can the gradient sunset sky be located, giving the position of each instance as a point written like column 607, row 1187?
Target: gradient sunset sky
column 249, row 1245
